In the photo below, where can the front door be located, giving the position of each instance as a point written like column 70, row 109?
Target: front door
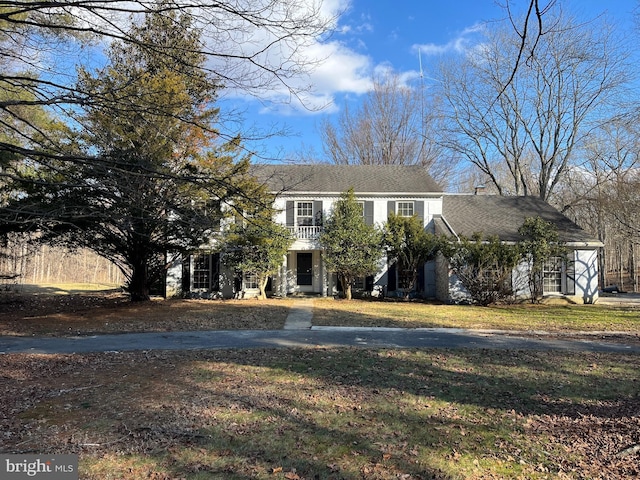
column 304, row 269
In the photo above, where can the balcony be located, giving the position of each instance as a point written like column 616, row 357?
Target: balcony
column 304, row 232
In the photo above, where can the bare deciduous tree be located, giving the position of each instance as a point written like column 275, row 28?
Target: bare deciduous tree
column 394, row 125
column 601, row 195
column 520, row 126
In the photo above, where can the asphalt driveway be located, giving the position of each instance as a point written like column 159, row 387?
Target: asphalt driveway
column 309, row 338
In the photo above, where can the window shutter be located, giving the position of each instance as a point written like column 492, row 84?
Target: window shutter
column 419, row 210
column 215, row 272
column 391, row 208
column 570, row 276
column 290, row 212
column 317, row 212
column 186, row 274
column 368, row 283
column 391, row 278
column 368, row 213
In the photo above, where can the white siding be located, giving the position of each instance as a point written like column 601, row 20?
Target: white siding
column 586, row 272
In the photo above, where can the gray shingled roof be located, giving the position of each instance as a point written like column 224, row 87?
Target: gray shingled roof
column 502, row 216
column 329, row 178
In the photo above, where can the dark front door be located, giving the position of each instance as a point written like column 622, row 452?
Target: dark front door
column 305, row 269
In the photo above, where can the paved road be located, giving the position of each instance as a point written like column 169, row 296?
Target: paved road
column 313, row 337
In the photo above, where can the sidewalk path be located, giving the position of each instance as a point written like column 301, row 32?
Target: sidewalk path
column 300, row 315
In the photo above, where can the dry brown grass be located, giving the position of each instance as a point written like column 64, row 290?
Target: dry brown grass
column 326, row 414
column 91, row 313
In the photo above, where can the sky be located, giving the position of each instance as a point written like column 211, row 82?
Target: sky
column 385, row 35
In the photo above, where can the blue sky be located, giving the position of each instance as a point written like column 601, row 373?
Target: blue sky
column 375, row 35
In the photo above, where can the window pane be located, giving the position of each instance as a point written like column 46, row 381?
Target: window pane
column 305, row 209
column 250, row 281
column 405, row 209
column 552, row 276
column 305, row 213
column 201, row 271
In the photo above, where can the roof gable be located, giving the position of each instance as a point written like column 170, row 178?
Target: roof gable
column 503, row 216
column 329, row 178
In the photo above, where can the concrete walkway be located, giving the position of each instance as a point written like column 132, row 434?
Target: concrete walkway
column 300, row 315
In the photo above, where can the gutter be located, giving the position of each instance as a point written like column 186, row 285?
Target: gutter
column 301, row 193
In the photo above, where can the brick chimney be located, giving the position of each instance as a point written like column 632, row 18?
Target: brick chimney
column 480, row 189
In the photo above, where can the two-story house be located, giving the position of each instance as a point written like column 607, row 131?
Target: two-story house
column 305, row 195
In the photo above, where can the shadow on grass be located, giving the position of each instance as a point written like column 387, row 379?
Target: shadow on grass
column 376, row 416
column 322, row 413
column 315, row 413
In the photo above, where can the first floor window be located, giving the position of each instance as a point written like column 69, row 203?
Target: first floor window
column 205, row 271
column 552, row 275
column 405, row 209
column 250, row 281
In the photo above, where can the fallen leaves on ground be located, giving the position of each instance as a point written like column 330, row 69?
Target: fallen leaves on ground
column 334, row 413
column 112, row 312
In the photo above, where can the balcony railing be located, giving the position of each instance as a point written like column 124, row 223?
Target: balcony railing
column 305, row 232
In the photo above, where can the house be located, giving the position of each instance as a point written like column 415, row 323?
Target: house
column 575, row 276
column 305, row 195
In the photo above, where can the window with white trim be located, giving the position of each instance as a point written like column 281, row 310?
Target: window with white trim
column 404, row 209
column 250, row 281
column 552, row 275
column 361, row 205
column 201, row 271
column 304, row 213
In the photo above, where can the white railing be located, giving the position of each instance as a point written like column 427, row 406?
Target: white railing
column 305, row 232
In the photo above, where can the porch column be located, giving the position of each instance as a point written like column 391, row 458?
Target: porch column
column 283, row 275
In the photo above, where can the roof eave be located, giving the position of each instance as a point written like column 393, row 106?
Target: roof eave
column 368, row 194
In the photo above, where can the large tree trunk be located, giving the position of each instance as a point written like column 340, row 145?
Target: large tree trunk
column 346, row 287
column 138, row 285
column 262, row 285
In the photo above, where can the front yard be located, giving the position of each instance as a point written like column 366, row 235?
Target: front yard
column 110, row 312
column 322, row 413
column 327, row 413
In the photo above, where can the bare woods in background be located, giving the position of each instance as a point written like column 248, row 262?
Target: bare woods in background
column 22, row 262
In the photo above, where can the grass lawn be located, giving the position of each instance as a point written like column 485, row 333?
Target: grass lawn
column 44, row 313
column 552, row 318
column 327, row 413
column 321, row 413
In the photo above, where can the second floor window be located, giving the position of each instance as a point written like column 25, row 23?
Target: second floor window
column 304, row 213
column 405, row 209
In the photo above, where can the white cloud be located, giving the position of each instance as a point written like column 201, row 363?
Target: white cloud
column 462, row 43
column 340, row 71
column 300, row 73
column 335, row 68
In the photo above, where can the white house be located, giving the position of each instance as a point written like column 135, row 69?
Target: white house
column 305, row 195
